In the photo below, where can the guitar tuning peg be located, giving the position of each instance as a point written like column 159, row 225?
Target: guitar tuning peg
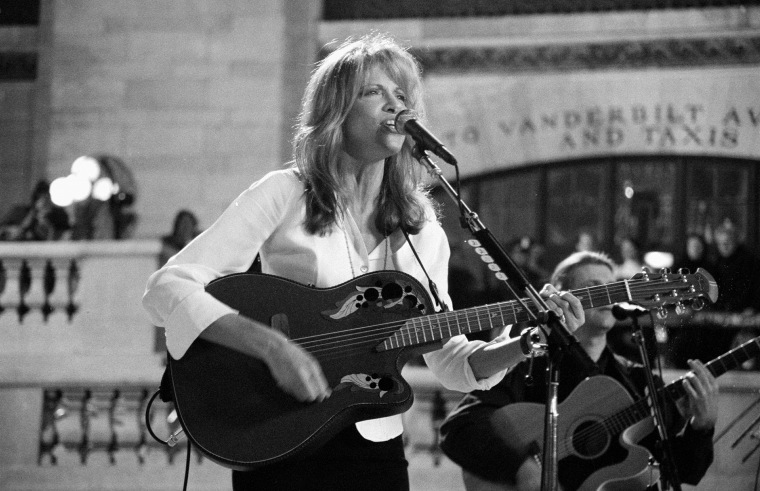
column 697, row 304
column 664, row 271
column 680, row 308
column 684, row 271
column 662, row 313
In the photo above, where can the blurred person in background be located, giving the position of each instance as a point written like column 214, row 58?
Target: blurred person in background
column 630, row 259
column 41, row 219
column 521, row 252
column 585, row 241
column 696, row 254
column 736, row 270
column 184, row 229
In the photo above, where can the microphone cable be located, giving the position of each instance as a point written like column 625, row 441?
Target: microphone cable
column 168, row 441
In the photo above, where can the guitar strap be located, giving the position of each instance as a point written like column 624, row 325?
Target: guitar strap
column 431, row 283
column 165, row 389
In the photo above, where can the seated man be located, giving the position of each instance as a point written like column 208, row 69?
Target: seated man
column 498, row 443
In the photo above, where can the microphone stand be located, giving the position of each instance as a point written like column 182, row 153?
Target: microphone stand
column 559, row 338
column 669, row 475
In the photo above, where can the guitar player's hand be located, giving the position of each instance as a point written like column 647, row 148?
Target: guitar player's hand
column 296, row 372
column 566, row 305
column 701, row 396
column 528, row 476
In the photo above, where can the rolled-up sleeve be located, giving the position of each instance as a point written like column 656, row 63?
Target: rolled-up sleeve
column 452, row 367
column 176, row 299
column 175, row 296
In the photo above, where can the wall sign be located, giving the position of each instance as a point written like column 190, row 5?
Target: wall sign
column 491, row 122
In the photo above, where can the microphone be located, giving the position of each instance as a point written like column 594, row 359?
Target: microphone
column 623, row 311
column 408, row 124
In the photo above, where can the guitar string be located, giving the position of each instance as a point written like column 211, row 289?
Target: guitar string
column 512, row 305
column 606, row 428
column 583, row 436
column 483, row 312
column 488, row 311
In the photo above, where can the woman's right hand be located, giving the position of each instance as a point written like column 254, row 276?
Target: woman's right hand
column 295, row 370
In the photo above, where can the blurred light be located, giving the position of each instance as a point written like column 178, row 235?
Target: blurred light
column 103, row 189
column 79, row 186
column 658, row 259
column 60, row 193
column 628, row 192
column 87, row 167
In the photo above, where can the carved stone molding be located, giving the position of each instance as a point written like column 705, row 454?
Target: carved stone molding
column 661, row 53
column 403, row 9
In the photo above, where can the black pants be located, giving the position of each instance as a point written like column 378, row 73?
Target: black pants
column 347, row 462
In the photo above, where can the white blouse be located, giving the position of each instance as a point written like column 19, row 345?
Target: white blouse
column 267, row 218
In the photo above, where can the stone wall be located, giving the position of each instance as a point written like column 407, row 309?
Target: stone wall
column 194, row 97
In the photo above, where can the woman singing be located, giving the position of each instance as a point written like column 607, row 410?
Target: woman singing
column 339, row 211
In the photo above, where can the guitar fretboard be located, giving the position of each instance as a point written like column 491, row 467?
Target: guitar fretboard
column 430, row 328
column 718, row 366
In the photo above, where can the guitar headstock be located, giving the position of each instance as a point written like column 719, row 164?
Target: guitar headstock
column 655, row 291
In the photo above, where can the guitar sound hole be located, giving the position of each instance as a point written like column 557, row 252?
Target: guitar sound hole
column 371, row 294
column 392, row 291
column 590, row 439
column 386, row 384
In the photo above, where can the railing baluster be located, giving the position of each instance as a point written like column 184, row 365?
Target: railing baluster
column 2, row 285
column 58, row 297
column 34, row 283
column 11, row 295
column 24, row 283
column 48, row 285
column 73, row 288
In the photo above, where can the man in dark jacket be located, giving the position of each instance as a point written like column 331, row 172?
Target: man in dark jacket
column 496, row 441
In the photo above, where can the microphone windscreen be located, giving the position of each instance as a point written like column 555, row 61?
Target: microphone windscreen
column 402, row 118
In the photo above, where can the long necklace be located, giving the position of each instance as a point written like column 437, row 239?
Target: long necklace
column 387, row 240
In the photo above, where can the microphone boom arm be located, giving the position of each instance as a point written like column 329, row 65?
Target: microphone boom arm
column 560, row 334
column 559, row 338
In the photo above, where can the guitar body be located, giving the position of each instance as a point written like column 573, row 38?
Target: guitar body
column 598, row 427
column 228, row 402
column 589, row 457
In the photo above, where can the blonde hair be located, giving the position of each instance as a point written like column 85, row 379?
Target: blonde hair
column 331, row 92
column 563, row 273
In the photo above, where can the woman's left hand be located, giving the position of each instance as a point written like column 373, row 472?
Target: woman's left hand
column 567, row 306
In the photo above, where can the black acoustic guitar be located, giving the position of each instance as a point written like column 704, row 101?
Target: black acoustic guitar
column 362, row 332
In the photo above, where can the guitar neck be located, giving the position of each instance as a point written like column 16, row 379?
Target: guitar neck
column 721, row 364
column 717, row 367
column 430, row 328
